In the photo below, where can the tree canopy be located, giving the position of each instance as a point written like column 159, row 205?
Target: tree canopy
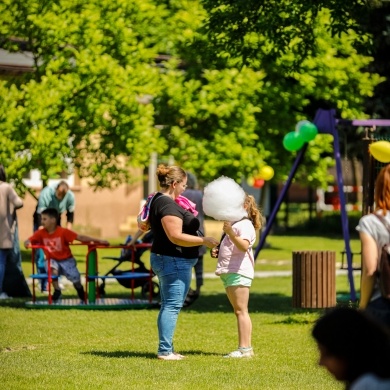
column 247, row 29
column 113, row 82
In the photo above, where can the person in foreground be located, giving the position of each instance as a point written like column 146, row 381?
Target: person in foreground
column 373, row 235
column 56, row 241
column 354, row 348
column 174, row 252
column 236, row 270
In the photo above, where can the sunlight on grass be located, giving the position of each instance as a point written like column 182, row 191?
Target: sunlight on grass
column 102, row 349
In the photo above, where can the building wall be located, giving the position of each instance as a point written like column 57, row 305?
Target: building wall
column 99, row 213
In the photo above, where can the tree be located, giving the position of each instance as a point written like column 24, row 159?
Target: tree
column 229, row 121
column 98, row 99
column 93, row 65
column 246, row 29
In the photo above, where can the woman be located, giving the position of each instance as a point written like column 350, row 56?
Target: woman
column 9, row 202
column 174, row 252
column 373, row 235
column 354, row 349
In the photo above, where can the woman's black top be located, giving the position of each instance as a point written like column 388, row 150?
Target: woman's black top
column 161, row 207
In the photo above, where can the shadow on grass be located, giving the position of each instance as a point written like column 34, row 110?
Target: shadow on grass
column 120, row 354
column 264, row 303
column 131, row 354
column 270, row 303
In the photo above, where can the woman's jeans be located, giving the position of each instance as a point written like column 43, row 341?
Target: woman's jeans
column 3, row 261
column 174, row 275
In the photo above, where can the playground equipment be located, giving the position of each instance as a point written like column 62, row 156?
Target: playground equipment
column 93, row 300
column 326, row 123
column 134, row 257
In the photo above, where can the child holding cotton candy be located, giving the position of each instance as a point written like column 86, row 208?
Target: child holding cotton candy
column 235, row 266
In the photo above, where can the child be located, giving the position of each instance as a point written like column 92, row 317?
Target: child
column 236, row 270
column 56, row 240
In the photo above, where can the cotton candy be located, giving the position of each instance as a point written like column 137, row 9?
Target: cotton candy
column 223, row 200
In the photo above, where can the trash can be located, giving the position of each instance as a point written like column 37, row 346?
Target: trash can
column 314, row 279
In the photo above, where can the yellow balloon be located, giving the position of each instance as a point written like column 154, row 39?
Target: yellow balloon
column 380, row 150
column 250, row 181
column 266, row 173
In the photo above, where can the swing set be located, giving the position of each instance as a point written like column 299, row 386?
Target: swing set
column 326, row 123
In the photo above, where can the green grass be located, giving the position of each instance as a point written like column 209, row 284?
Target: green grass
column 102, row 349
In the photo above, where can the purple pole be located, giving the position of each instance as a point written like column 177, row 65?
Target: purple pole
column 325, row 120
column 280, row 199
column 344, row 218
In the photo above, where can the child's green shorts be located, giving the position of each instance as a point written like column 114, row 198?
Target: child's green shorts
column 234, row 279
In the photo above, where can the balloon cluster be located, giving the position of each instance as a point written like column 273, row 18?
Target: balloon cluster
column 380, row 150
column 264, row 174
column 305, row 131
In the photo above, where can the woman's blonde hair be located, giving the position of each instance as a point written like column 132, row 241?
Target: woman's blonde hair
column 382, row 190
column 169, row 174
column 254, row 213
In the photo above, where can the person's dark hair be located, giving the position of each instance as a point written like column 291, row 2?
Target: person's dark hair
column 169, row 174
column 3, row 175
column 63, row 183
column 51, row 212
column 192, row 182
column 362, row 343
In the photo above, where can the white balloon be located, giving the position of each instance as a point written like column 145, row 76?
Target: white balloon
column 223, row 200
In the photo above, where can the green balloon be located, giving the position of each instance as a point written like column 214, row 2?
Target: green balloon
column 307, row 131
column 293, row 141
column 299, row 124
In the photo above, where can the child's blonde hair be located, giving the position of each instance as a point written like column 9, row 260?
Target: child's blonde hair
column 254, row 213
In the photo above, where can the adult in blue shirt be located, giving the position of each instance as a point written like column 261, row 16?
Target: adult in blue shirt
column 59, row 197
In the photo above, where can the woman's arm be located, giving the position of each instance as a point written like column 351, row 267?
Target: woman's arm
column 173, row 227
column 369, row 268
column 239, row 242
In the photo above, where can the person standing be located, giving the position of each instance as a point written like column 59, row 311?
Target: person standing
column 58, row 197
column 9, row 203
column 373, row 235
column 174, row 252
column 235, row 267
column 196, row 196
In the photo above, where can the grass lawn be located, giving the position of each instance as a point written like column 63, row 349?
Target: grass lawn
column 102, row 349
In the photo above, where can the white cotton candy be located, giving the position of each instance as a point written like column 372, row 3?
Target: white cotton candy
column 223, row 200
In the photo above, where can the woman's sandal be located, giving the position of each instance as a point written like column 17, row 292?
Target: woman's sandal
column 191, row 297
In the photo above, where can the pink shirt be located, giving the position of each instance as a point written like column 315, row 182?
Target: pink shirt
column 231, row 259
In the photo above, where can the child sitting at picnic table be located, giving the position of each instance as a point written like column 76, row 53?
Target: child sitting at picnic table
column 56, row 240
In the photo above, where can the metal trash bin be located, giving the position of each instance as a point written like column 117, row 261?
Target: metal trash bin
column 314, row 279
